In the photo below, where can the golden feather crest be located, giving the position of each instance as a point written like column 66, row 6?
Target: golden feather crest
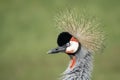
column 85, row 28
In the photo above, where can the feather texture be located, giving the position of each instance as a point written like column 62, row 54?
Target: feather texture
column 83, row 67
column 85, row 28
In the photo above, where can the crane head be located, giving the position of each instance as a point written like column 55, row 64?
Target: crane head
column 66, row 43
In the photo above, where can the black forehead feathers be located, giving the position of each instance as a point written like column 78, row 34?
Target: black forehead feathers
column 63, row 38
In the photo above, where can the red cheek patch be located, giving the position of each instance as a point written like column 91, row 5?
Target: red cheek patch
column 73, row 39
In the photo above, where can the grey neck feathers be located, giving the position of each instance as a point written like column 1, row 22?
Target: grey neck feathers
column 82, row 68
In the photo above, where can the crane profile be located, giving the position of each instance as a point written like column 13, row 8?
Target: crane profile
column 80, row 37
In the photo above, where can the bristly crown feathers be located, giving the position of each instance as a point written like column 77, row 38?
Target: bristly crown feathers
column 85, row 28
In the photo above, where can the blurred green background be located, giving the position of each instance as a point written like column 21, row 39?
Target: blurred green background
column 27, row 32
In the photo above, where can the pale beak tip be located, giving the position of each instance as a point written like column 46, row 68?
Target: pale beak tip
column 49, row 52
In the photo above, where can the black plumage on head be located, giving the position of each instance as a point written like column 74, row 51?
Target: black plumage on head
column 63, row 38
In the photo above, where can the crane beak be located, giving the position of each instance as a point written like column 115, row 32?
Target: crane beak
column 57, row 50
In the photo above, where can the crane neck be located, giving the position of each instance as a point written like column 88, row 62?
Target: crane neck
column 80, row 66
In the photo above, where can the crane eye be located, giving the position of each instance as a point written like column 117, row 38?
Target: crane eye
column 67, row 44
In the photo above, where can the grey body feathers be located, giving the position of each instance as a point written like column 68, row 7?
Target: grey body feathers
column 83, row 67
column 90, row 34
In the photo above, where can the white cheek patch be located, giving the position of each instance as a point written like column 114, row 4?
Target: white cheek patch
column 73, row 47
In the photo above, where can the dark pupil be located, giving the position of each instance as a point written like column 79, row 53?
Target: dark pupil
column 63, row 38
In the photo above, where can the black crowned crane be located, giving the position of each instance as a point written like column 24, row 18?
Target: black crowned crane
column 81, row 36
